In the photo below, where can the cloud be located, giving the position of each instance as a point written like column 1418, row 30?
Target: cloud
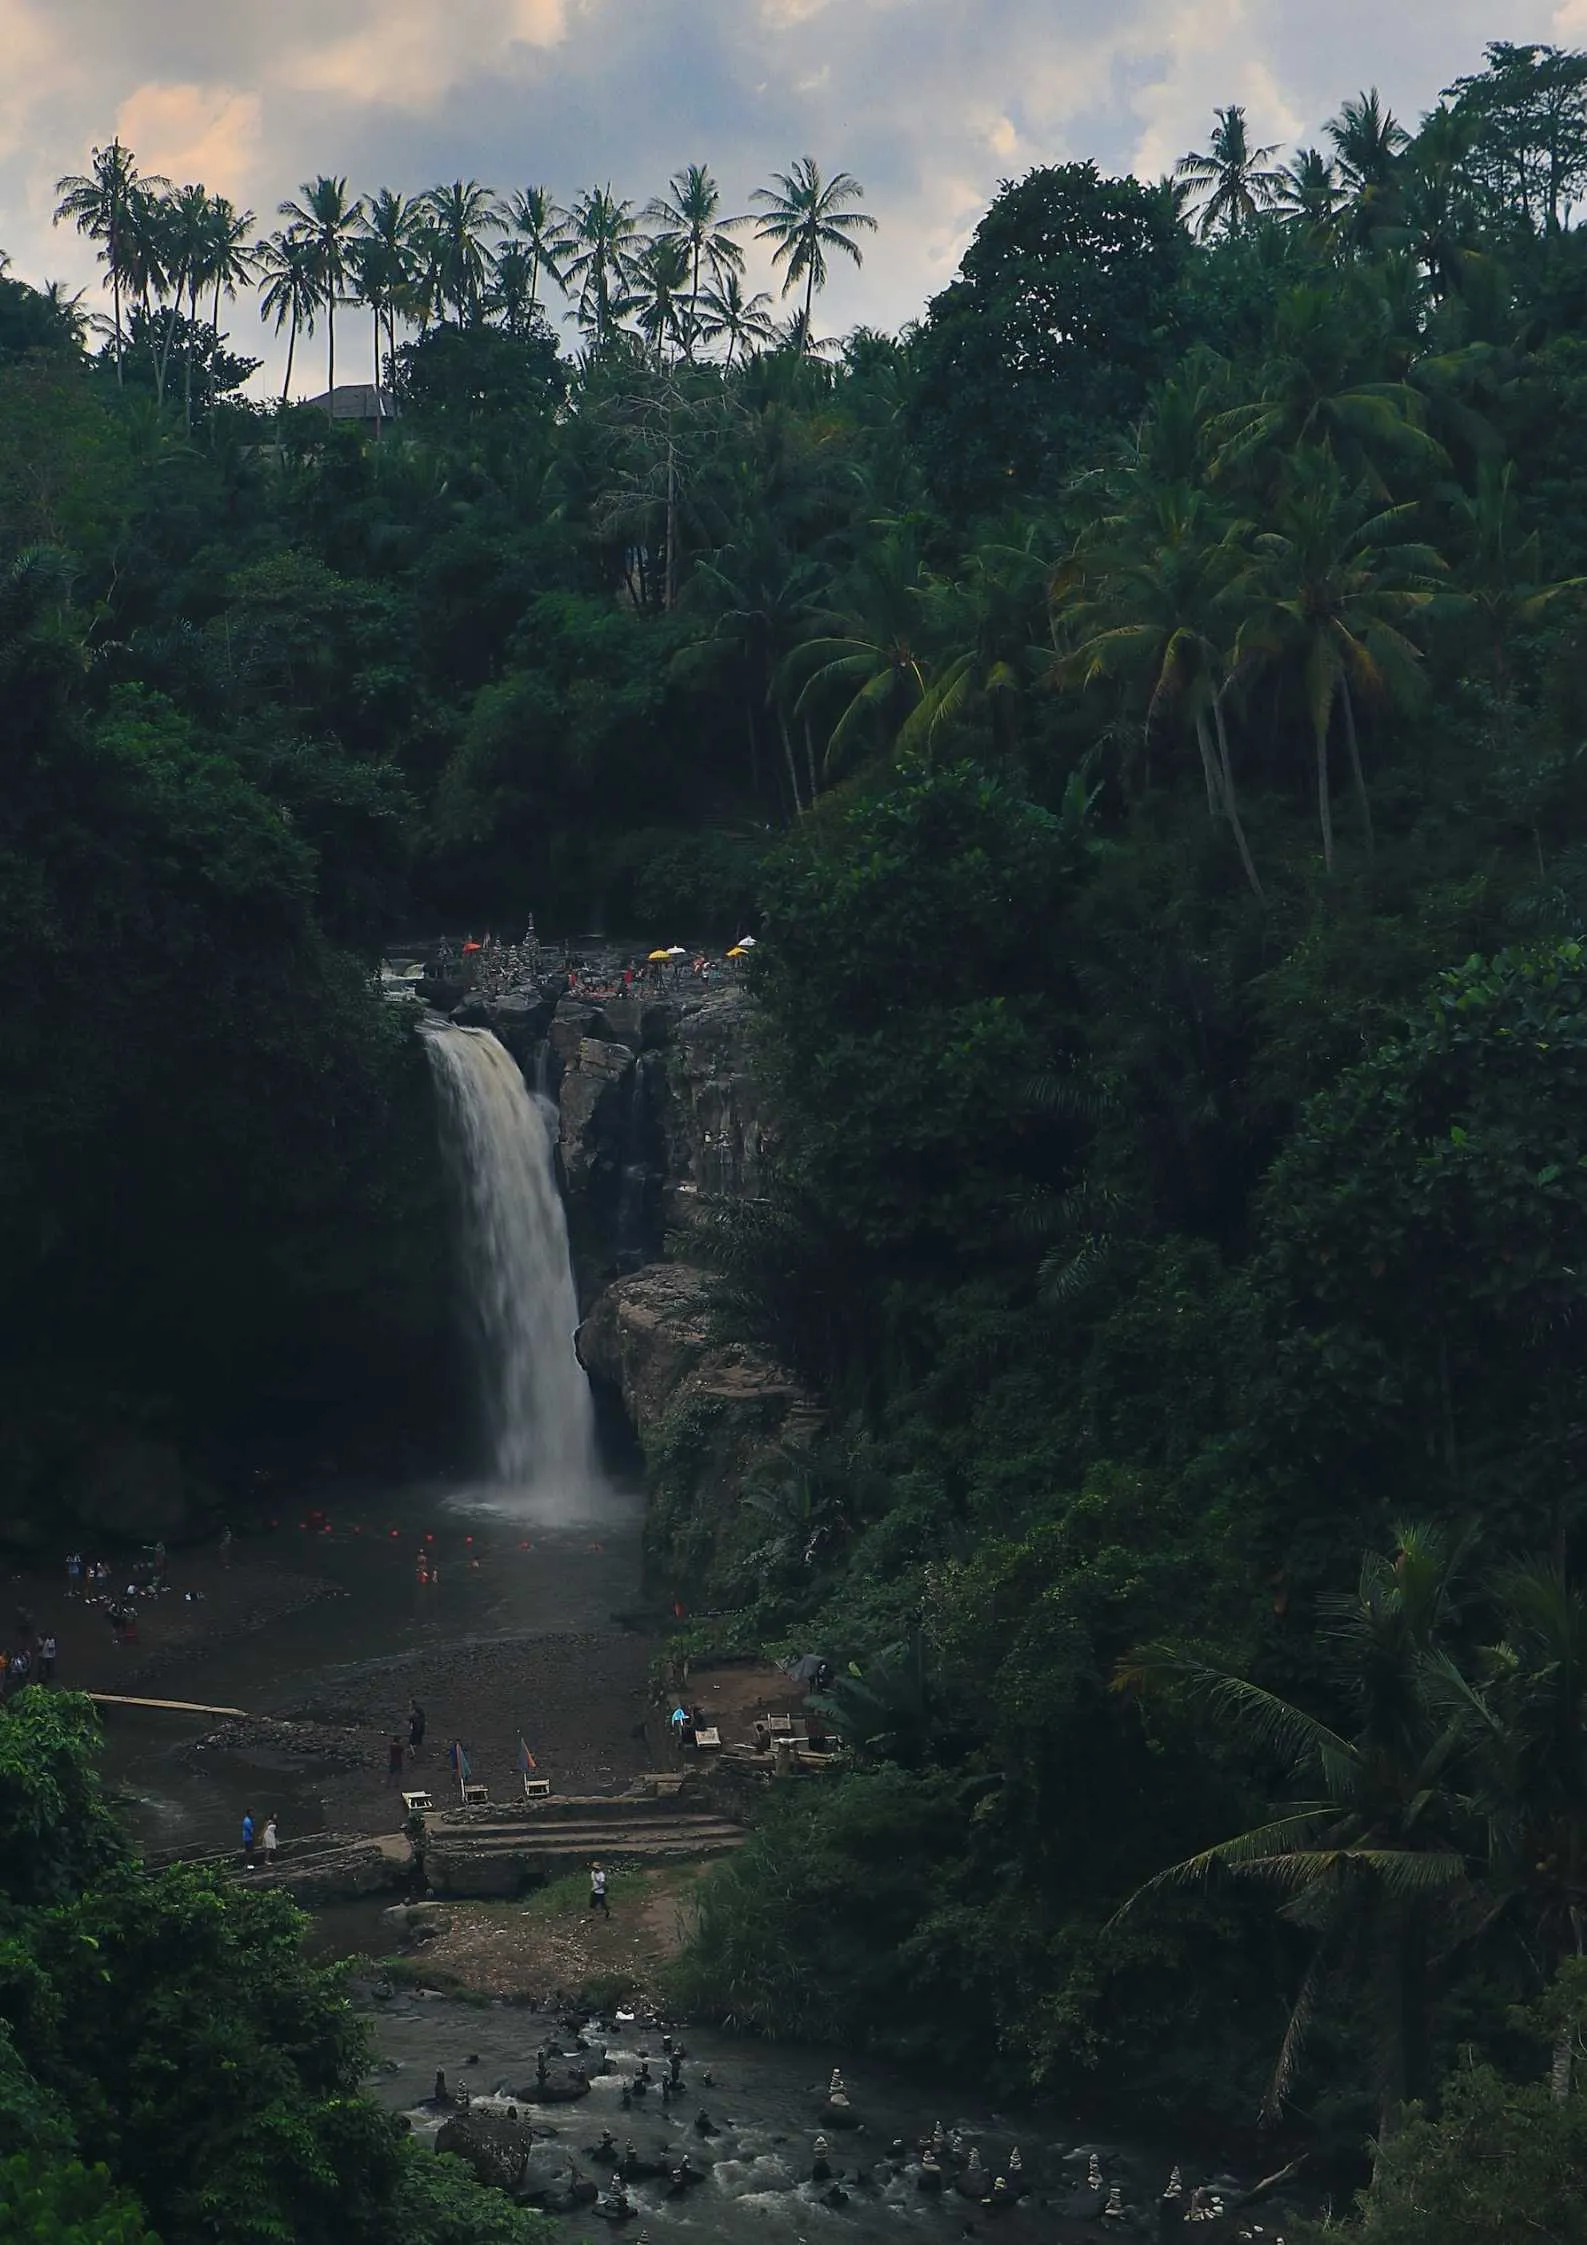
column 38, row 67
column 208, row 133
column 930, row 102
column 412, row 56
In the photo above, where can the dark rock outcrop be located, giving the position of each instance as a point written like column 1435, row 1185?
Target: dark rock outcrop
column 718, row 1133
column 708, row 1410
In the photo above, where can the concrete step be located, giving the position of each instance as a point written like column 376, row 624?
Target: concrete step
column 535, row 1834
column 582, row 1808
column 608, row 1840
column 506, row 1860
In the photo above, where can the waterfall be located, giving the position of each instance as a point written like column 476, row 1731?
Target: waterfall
column 501, row 1139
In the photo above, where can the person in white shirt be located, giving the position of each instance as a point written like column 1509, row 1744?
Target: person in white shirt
column 270, row 1842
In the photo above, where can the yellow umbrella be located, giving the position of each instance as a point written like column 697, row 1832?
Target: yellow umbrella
column 658, row 958
column 738, row 952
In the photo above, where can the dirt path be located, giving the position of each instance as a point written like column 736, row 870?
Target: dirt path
column 554, row 1945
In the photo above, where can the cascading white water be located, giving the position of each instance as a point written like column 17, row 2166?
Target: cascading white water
column 516, row 1262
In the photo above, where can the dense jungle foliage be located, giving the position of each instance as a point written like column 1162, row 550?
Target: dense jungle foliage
column 172, row 2070
column 1141, row 705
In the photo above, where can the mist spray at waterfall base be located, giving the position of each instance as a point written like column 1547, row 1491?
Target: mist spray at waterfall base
column 500, row 1141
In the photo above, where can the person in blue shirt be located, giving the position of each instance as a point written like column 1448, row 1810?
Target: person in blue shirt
column 247, row 1838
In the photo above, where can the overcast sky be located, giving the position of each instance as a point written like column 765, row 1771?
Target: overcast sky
column 929, row 102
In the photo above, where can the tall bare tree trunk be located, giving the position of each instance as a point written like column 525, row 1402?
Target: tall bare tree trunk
column 671, row 593
column 787, row 749
column 1325, row 813
column 187, row 358
column 1357, row 776
column 1209, row 765
column 1231, row 806
column 165, row 346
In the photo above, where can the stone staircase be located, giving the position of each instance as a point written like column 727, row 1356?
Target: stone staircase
column 325, row 1867
column 501, row 1851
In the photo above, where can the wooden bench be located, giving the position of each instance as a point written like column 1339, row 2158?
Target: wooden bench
column 416, row 1804
column 475, row 1796
column 708, row 1741
column 537, row 1788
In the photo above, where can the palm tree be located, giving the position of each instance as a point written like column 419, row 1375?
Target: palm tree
column 1311, row 393
column 229, row 254
column 460, row 216
column 1368, row 141
column 994, row 615
column 606, row 243
column 511, row 291
column 100, row 205
column 329, row 221
column 1440, row 208
column 805, row 216
column 543, row 224
column 1368, row 1853
column 660, row 302
column 1309, row 195
column 144, row 243
column 1157, row 614
column 70, row 320
column 1328, row 595
column 728, row 311
column 692, row 212
column 369, row 271
column 189, row 242
column 1525, row 1721
column 386, row 260
column 763, row 603
column 1237, row 178
column 872, row 663
column 291, row 293
column 1502, row 577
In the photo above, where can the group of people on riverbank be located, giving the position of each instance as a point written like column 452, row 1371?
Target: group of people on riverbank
column 270, row 1840
column 29, row 1658
column 91, row 1583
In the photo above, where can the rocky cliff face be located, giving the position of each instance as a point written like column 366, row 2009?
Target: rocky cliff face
column 658, row 1109
column 711, row 1412
column 660, row 1112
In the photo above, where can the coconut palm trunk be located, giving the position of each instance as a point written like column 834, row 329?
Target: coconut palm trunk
column 187, row 355
column 1357, row 776
column 1209, row 764
column 788, row 756
column 1325, row 812
column 172, row 317
column 115, row 305
column 1230, row 804
column 292, row 344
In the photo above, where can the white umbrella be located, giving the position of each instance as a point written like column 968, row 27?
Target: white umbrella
column 746, row 943
column 676, row 951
